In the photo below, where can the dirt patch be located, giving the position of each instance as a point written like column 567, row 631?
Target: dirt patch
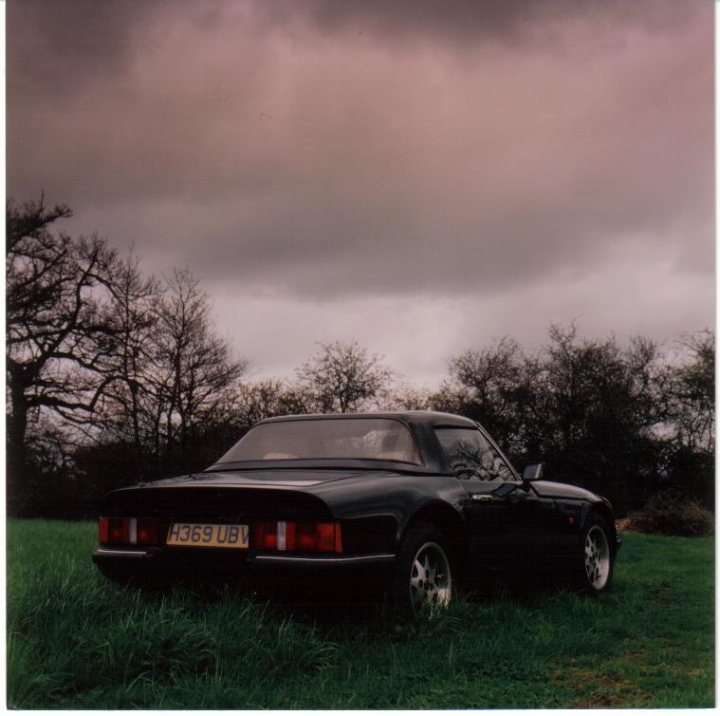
column 605, row 690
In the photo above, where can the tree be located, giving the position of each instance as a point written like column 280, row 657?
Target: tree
column 194, row 378
column 343, row 377
column 690, row 463
column 171, row 404
column 407, row 397
column 268, row 398
column 57, row 328
column 693, row 393
column 498, row 388
column 603, row 406
column 591, row 410
column 128, row 409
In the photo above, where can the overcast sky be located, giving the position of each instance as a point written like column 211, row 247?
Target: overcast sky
column 424, row 176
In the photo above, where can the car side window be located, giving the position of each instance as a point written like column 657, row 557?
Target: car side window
column 471, row 455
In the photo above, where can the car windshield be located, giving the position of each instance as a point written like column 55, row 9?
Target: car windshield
column 332, row 439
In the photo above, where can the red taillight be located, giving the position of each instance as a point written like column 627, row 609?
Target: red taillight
column 147, row 531
column 298, row 536
column 128, row 530
column 103, row 530
column 265, row 535
column 114, row 530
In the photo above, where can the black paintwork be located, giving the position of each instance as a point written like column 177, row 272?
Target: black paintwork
column 494, row 524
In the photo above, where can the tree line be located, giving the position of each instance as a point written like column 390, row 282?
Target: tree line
column 114, row 377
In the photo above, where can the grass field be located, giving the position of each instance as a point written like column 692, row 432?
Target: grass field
column 75, row 641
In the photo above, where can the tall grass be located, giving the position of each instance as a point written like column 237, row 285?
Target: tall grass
column 77, row 641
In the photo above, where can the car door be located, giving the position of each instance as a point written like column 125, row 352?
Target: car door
column 512, row 526
column 491, row 505
column 538, row 522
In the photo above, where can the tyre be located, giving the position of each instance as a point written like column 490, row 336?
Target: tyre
column 423, row 580
column 596, row 572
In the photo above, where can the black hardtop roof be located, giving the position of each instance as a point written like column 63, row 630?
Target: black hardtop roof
column 423, row 417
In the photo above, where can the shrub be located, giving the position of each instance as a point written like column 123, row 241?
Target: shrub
column 671, row 513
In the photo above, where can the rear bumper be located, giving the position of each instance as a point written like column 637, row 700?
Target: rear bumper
column 292, row 561
column 110, row 555
column 155, row 560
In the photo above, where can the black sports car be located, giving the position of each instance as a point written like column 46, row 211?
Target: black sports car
column 422, row 498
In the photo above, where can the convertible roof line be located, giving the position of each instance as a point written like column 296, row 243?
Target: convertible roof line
column 425, row 417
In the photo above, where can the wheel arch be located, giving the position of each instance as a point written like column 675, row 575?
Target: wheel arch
column 448, row 520
column 602, row 509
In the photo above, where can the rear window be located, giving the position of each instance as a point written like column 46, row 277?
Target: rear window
column 351, row 439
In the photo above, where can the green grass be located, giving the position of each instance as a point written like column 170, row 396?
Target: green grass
column 76, row 641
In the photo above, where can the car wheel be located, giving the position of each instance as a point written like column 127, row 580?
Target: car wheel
column 423, row 581
column 596, row 573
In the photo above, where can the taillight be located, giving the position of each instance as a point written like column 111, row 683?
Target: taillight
column 147, row 531
column 128, row 530
column 298, row 536
column 114, row 530
column 266, row 535
column 103, row 530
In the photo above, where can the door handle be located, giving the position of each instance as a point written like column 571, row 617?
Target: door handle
column 484, row 498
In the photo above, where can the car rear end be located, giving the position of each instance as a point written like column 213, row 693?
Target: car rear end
column 153, row 534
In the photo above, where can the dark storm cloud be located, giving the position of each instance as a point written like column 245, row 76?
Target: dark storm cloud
column 489, row 153
column 56, row 46
column 470, row 20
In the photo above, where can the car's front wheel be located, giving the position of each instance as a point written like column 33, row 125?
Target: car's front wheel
column 596, row 573
column 423, row 581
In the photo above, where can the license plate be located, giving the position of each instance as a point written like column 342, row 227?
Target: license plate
column 191, row 535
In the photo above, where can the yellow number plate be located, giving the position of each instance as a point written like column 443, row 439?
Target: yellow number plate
column 186, row 535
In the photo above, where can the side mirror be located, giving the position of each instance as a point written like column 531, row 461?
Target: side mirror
column 505, row 489
column 533, row 472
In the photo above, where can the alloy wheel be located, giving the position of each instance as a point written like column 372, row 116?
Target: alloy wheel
column 597, row 558
column 430, row 578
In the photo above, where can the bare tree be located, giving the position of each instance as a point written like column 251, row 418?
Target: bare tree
column 268, row 398
column 57, row 328
column 128, row 409
column 407, row 397
column 194, row 376
column 343, row 377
